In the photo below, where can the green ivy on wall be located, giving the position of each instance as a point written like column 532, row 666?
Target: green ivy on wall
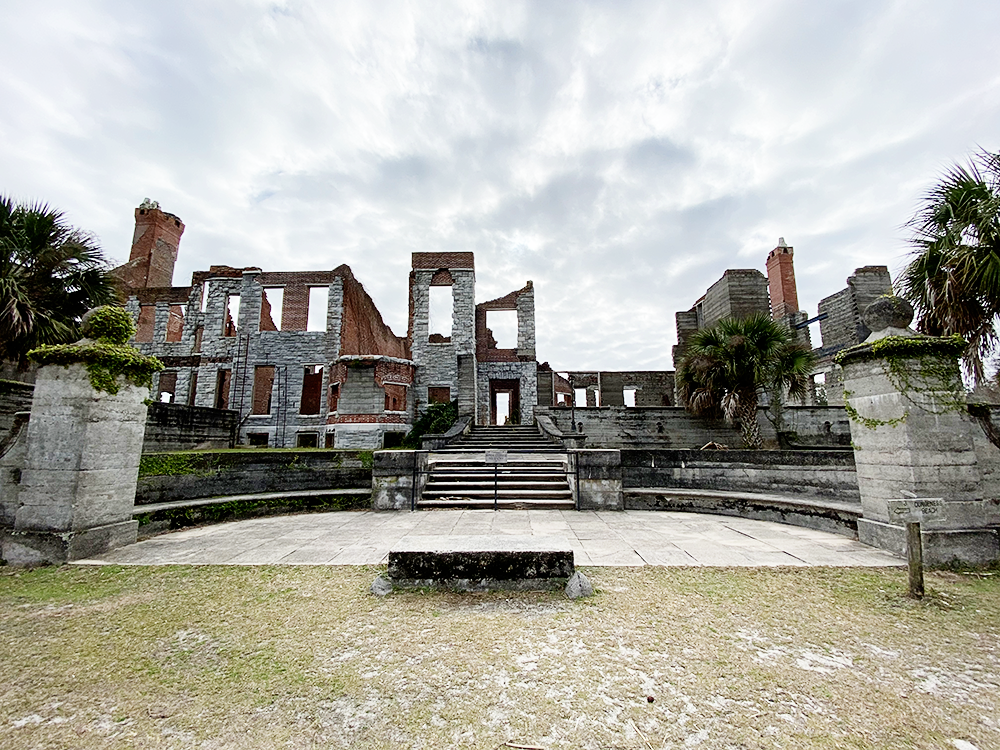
column 935, row 376
column 108, row 359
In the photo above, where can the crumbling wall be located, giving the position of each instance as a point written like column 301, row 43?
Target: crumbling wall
column 438, row 361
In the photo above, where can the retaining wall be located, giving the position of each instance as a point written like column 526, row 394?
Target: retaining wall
column 176, row 427
column 674, row 427
column 168, row 477
column 814, row 473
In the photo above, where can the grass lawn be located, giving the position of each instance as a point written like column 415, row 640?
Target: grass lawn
column 288, row 657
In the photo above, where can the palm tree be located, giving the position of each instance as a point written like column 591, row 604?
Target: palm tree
column 953, row 279
column 50, row 275
column 727, row 368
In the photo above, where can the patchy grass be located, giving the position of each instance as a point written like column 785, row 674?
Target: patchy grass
column 215, row 657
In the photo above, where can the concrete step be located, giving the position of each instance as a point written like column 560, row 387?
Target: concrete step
column 488, row 492
column 502, row 504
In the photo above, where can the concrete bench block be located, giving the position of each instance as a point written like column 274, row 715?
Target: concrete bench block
column 478, row 563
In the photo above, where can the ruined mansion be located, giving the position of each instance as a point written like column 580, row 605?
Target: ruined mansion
column 304, row 359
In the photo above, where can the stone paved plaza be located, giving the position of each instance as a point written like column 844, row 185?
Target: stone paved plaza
column 629, row 538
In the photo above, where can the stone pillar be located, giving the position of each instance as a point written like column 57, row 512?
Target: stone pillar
column 398, row 478
column 77, row 487
column 598, row 479
column 912, row 437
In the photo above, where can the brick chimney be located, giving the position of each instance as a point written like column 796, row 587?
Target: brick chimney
column 781, row 281
column 154, row 248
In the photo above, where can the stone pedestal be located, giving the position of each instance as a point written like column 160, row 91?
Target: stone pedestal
column 913, row 438
column 77, row 487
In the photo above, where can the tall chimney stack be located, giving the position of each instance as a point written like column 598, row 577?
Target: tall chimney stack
column 154, row 248
column 781, row 281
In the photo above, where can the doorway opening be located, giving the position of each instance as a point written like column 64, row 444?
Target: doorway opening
column 505, row 402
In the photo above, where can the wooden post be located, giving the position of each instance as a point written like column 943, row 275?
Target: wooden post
column 911, row 511
column 915, row 560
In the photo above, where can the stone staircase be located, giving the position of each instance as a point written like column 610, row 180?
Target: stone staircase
column 510, row 438
column 534, row 475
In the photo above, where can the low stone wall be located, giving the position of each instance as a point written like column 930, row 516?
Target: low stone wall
column 169, row 477
column 169, row 427
column 675, row 427
column 177, row 427
column 14, row 397
column 816, row 474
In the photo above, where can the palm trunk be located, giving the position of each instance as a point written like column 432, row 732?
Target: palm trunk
column 747, row 413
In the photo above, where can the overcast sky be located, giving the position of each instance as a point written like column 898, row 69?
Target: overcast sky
column 621, row 155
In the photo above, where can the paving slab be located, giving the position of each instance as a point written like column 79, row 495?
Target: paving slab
column 606, row 538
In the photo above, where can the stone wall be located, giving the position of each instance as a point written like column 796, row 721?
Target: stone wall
column 739, row 293
column 815, row 474
column 168, row 477
column 176, row 427
column 674, row 427
column 14, row 397
column 524, row 372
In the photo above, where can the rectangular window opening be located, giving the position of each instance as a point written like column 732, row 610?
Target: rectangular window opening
column 395, row 397
column 331, row 439
column 257, row 439
column 175, row 323
column 222, row 389
column 204, row 296
column 144, row 327
column 318, row 298
column 439, row 395
column 230, row 326
column 199, row 334
column 167, row 387
column 263, row 383
column 312, row 389
column 629, row 395
column 503, row 326
column 334, row 397
column 193, row 389
column 307, row 440
column 439, row 314
column 580, row 394
column 271, row 301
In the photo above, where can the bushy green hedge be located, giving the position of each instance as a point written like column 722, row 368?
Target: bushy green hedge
column 436, row 420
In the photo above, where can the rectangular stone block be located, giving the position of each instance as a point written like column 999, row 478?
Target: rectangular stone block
column 482, row 562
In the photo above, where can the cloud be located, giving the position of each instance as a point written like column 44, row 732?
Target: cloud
column 621, row 155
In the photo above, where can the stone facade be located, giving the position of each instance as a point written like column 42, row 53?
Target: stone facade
column 238, row 339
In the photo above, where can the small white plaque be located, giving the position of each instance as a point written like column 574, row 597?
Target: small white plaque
column 496, row 457
column 916, row 510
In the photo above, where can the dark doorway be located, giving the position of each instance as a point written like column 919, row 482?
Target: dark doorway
column 507, row 395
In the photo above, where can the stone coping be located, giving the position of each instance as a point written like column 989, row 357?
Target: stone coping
column 757, row 497
column 482, row 543
column 154, row 507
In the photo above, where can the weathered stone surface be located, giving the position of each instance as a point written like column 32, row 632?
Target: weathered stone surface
column 918, row 443
column 481, row 562
column 598, row 479
column 579, row 586
column 252, row 472
column 398, row 478
column 814, row 473
column 81, row 463
column 381, row 586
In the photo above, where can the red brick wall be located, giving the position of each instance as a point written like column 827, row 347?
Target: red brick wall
column 362, row 329
column 781, row 282
column 154, row 250
column 144, row 328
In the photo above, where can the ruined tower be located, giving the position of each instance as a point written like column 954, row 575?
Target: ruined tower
column 154, row 248
column 781, row 281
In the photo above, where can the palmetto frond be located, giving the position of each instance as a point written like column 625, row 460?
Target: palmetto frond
column 50, row 274
column 725, row 368
column 953, row 279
